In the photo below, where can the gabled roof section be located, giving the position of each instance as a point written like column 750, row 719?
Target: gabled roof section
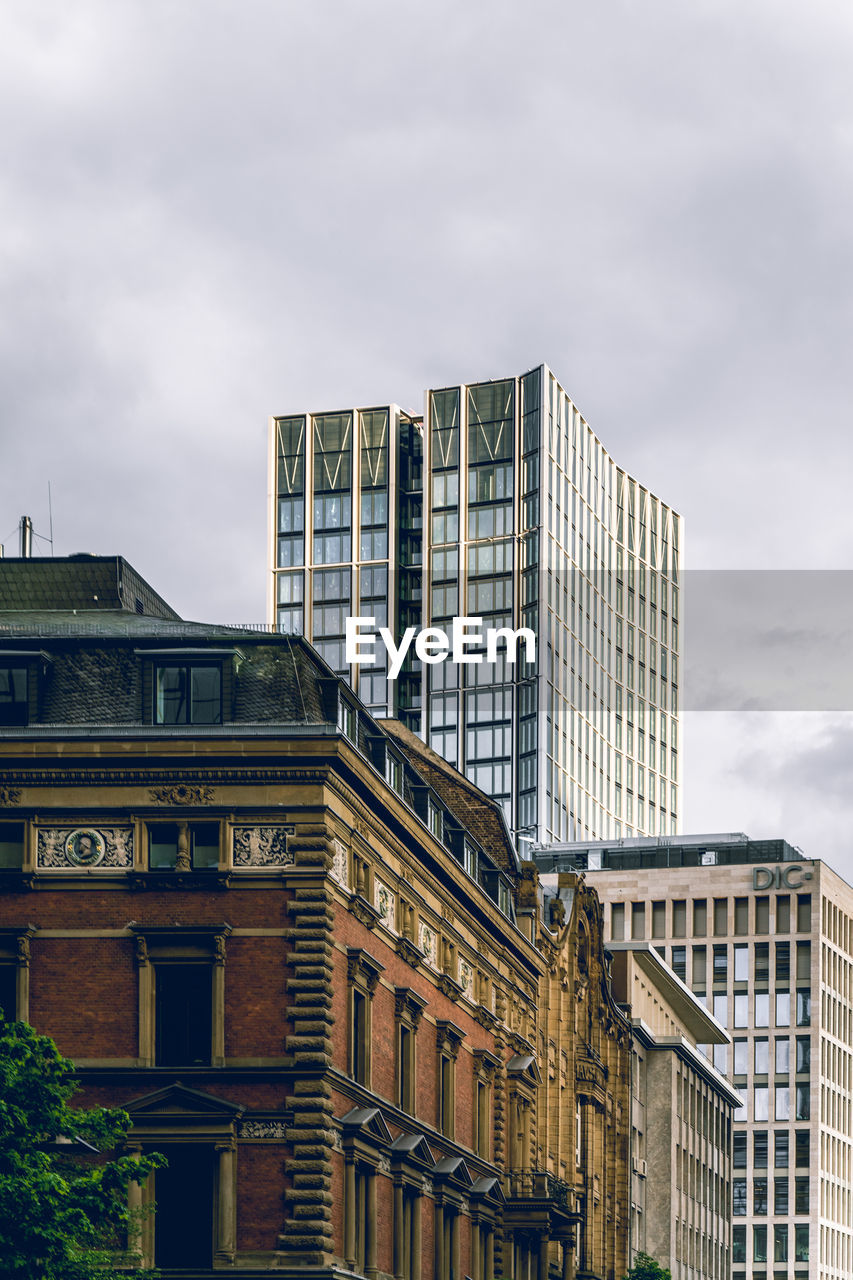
column 477, row 812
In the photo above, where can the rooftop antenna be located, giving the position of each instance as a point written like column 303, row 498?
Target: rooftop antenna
column 50, row 513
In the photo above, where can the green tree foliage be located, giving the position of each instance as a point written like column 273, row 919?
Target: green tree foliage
column 645, row 1268
column 63, row 1207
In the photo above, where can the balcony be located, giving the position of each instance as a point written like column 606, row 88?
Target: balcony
column 539, row 1202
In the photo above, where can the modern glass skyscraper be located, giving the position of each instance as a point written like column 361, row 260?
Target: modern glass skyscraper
column 501, row 504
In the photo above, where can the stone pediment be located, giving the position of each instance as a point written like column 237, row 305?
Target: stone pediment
column 523, row 1066
column 414, row 1149
column 176, row 1100
column 367, row 1122
column 453, row 1170
column 489, row 1189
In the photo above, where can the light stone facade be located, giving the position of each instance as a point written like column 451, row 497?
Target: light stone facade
column 764, row 936
column 681, row 1119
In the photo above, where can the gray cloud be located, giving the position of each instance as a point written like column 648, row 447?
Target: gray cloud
column 213, row 212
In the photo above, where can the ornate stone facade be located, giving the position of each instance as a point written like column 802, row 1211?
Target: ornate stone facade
column 353, row 1029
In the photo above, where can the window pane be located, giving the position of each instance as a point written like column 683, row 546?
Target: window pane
column 804, row 1007
column 206, row 698
column 762, row 1009
column 782, row 1144
column 205, row 844
column 171, row 695
column 184, row 995
column 9, row 991
column 762, row 1057
column 162, row 844
column 759, row 1149
column 11, row 844
column 804, row 1053
column 783, row 1008
column 759, row 1195
column 783, row 1056
column 13, row 695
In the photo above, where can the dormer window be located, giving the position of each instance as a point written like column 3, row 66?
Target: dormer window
column 347, row 719
column 14, row 702
column 187, row 693
column 394, row 773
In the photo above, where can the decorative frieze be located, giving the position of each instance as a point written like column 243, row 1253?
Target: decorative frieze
column 9, row 796
column 182, row 793
column 82, row 847
column 263, row 1130
column 262, row 847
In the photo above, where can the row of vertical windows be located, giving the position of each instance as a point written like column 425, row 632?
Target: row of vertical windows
column 780, row 1244
column 781, row 1148
column 670, row 918
column 767, row 1192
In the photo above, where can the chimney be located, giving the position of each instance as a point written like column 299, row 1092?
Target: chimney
column 26, row 538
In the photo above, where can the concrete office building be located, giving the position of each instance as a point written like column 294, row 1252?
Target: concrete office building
column 499, row 503
column 765, row 937
column 681, row 1120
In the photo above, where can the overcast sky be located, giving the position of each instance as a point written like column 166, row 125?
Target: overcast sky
column 210, row 212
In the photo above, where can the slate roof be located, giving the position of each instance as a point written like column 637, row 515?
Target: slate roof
column 50, row 583
column 476, row 811
column 96, row 676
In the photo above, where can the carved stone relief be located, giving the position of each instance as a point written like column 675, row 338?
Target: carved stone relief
column 85, row 847
column 182, row 793
column 261, row 847
column 466, row 978
column 429, row 944
column 263, row 1129
column 340, row 863
column 386, row 905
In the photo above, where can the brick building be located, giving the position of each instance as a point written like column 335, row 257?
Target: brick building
column 300, row 950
